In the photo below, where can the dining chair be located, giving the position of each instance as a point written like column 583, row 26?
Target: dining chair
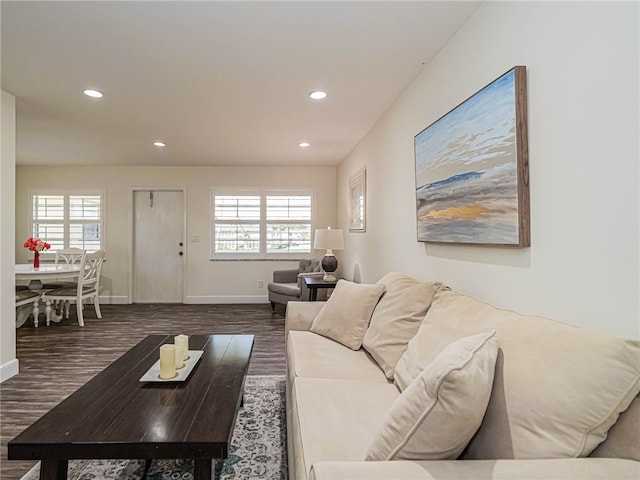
column 26, row 297
column 88, row 286
column 69, row 256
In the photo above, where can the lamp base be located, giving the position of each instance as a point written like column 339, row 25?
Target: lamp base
column 329, row 265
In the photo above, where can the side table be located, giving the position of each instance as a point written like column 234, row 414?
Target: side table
column 314, row 283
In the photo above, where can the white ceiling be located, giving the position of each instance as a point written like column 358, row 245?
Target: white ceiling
column 222, row 83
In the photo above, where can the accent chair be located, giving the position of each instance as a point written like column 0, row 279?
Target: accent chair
column 289, row 284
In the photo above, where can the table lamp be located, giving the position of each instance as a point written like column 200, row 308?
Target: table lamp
column 329, row 240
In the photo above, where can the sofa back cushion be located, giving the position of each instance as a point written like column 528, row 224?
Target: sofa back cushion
column 623, row 439
column 308, row 266
column 397, row 317
column 557, row 389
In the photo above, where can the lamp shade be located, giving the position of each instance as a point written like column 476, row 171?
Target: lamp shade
column 328, row 239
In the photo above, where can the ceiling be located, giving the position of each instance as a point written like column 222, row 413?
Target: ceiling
column 222, row 83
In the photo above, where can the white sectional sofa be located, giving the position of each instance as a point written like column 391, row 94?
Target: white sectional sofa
column 411, row 380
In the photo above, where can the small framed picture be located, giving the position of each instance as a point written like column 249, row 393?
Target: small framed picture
column 358, row 201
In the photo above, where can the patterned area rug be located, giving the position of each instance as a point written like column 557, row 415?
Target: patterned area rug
column 258, row 449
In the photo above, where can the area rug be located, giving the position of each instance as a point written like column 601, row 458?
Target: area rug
column 258, row 448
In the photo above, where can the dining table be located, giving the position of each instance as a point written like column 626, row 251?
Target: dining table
column 37, row 277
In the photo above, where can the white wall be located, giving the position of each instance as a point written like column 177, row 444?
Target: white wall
column 206, row 281
column 582, row 62
column 8, row 361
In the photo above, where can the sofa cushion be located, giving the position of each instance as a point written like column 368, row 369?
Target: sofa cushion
column 311, row 355
column 623, row 439
column 551, row 469
column 397, row 317
column 300, row 315
column 438, row 413
column 346, row 315
column 336, row 419
column 557, row 389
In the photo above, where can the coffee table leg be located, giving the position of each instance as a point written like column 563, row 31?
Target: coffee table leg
column 51, row 469
column 202, row 469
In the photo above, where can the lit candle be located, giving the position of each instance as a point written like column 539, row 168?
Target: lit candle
column 184, row 341
column 167, row 361
column 179, row 356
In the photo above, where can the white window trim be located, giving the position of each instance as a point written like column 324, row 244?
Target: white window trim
column 262, row 254
column 50, row 254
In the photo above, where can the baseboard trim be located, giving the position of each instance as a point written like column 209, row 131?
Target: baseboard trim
column 117, row 300
column 9, row 369
column 227, row 299
column 124, row 300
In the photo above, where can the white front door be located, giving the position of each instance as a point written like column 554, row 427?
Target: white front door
column 158, row 246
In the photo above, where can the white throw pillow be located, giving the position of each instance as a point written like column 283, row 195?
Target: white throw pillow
column 439, row 412
column 346, row 315
column 397, row 318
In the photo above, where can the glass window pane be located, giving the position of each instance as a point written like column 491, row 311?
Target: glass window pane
column 48, row 207
column 289, row 207
column 237, row 207
column 85, row 236
column 244, row 238
column 288, row 238
column 84, row 207
column 52, row 233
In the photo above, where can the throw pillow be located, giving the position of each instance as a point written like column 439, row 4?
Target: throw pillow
column 440, row 411
column 345, row 317
column 397, row 317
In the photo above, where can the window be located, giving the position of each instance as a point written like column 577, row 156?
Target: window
column 68, row 219
column 237, row 220
column 261, row 224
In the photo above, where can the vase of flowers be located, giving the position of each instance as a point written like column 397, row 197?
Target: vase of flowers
column 36, row 246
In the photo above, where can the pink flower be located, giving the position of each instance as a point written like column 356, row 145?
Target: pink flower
column 36, row 245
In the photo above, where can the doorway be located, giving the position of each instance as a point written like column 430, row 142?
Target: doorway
column 158, row 251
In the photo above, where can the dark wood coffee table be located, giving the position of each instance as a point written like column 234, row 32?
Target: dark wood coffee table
column 116, row 416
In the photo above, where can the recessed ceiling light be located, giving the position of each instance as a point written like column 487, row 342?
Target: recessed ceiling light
column 318, row 95
column 93, row 93
column 160, row 144
column 304, row 144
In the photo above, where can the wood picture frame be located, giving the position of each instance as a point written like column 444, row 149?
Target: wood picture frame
column 358, row 201
column 472, row 169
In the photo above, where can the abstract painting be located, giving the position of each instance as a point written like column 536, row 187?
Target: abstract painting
column 472, row 177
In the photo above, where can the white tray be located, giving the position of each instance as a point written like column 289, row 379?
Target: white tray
column 153, row 374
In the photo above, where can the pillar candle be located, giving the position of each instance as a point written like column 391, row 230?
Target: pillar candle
column 167, row 361
column 184, row 341
column 179, row 356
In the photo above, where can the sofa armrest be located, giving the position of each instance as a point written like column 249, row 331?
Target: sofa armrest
column 285, row 276
column 542, row 469
column 300, row 315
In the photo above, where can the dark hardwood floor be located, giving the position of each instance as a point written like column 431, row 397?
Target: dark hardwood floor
column 56, row 360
